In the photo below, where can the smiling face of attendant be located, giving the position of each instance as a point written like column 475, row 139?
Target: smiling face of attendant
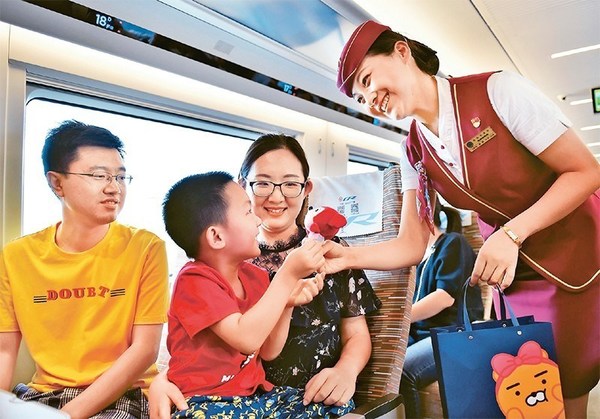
column 88, row 201
column 389, row 73
column 278, row 213
column 384, row 84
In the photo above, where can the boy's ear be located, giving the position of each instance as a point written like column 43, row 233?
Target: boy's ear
column 214, row 237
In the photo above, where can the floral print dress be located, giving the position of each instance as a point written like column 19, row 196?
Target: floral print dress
column 314, row 340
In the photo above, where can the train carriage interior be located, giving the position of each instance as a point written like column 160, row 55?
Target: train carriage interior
column 189, row 84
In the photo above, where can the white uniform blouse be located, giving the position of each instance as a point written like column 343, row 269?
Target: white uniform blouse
column 532, row 118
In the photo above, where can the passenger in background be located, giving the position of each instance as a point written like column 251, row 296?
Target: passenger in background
column 447, row 264
column 88, row 295
column 225, row 316
column 491, row 143
column 328, row 342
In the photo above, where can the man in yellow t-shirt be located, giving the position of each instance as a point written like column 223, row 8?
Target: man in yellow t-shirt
column 88, row 295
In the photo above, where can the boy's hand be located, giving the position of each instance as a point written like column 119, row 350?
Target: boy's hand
column 305, row 290
column 162, row 395
column 305, row 260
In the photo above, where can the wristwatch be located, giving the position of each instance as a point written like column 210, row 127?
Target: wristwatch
column 516, row 240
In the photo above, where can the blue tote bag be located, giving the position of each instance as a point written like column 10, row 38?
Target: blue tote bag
column 497, row 368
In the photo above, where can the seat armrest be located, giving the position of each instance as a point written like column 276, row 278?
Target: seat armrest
column 13, row 408
column 389, row 406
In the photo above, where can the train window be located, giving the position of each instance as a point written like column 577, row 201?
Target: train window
column 356, row 167
column 364, row 162
column 157, row 155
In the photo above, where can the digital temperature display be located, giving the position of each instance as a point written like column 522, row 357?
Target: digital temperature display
column 104, row 21
column 111, row 23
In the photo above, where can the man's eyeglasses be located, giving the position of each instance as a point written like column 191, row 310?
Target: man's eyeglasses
column 264, row 188
column 122, row 179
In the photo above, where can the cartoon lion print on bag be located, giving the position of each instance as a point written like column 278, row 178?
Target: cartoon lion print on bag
column 528, row 384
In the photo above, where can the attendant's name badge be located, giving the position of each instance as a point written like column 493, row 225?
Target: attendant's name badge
column 480, row 139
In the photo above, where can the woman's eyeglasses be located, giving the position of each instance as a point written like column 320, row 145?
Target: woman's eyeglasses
column 265, row 188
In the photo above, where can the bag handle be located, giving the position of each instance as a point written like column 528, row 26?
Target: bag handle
column 503, row 303
column 466, row 321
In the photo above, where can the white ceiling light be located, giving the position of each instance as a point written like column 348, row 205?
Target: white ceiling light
column 591, row 127
column 575, row 51
column 593, row 144
column 580, row 102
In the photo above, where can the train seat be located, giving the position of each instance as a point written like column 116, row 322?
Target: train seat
column 13, row 408
column 377, row 386
column 24, row 368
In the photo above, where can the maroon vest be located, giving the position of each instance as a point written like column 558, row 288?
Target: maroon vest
column 502, row 179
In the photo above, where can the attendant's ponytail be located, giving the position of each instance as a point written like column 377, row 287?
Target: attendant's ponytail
column 426, row 58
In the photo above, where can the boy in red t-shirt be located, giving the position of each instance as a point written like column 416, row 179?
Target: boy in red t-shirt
column 224, row 315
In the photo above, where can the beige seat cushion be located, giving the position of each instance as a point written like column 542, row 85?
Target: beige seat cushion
column 389, row 326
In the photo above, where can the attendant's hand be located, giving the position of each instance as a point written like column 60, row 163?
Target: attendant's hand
column 336, row 257
column 332, row 386
column 306, row 290
column 162, row 395
column 304, row 260
column 496, row 261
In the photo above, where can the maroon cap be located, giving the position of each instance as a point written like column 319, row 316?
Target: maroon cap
column 355, row 50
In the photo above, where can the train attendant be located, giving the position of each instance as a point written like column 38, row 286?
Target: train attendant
column 87, row 294
column 494, row 144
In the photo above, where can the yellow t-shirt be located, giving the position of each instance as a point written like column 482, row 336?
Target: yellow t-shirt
column 76, row 311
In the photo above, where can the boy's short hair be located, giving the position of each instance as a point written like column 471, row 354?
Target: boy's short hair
column 63, row 142
column 192, row 205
